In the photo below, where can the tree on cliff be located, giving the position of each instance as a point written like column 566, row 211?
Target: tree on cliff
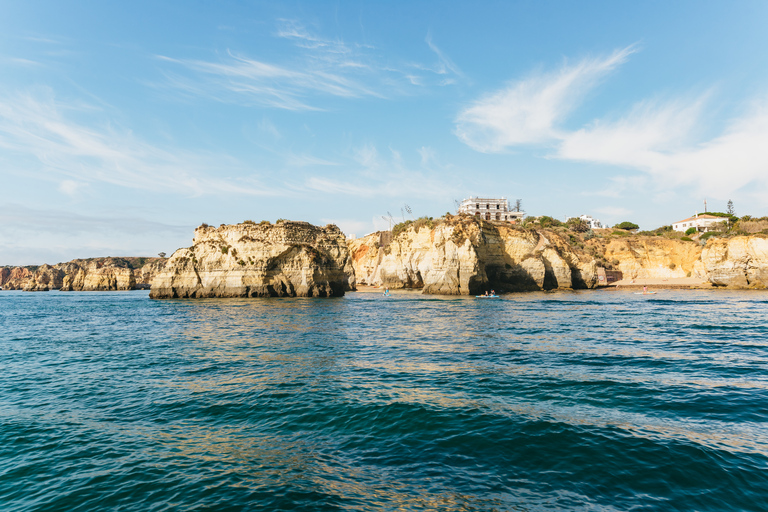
column 578, row 225
column 729, row 208
column 628, row 226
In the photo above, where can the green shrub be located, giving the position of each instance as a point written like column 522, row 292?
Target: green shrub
column 423, row 221
column 400, row 227
column 241, row 262
column 708, row 234
column 265, row 223
column 589, row 235
column 249, row 222
column 620, row 233
column 672, row 266
column 577, row 225
column 686, row 239
column 690, row 231
column 224, row 249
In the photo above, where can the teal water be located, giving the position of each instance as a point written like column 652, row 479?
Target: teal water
column 594, row 401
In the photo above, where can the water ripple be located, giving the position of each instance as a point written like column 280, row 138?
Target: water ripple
column 593, row 401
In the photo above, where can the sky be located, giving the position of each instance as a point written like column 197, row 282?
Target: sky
column 124, row 125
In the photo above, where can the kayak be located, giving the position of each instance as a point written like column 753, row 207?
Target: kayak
column 644, row 293
column 487, row 296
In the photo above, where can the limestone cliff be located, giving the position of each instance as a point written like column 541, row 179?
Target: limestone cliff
column 93, row 274
column 739, row 262
column 102, row 274
column 45, row 278
column 15, row 278
column 147, row 272
column 259, row 260
column 461, row 255
column 649, row 257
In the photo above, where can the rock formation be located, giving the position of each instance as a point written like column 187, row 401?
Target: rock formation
column 649, row 257
column 16, row 278
column 102, row 274
column 462, row 255
column 259, row 260
column 94, row 274
column 44, row 279
column 147, row 272
column 739, row 262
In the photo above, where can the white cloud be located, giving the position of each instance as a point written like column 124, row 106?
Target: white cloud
column 529, row 111
column 444, row 65
column 661, row 139
column 613, row 211
column 41, row 132
column 70, row 188
column 36, row 236
column 317, row 67
column 658, row 141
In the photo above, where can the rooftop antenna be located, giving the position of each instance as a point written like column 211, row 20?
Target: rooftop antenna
column 705, row 205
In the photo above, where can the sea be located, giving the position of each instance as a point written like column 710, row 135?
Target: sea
column 577, row 401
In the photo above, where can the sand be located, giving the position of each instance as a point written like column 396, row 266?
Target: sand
column 673, row 282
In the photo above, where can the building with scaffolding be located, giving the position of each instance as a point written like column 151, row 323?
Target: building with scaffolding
column 490, row 209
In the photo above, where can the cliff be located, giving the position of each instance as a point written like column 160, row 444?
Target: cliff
column 259, row 260
column 103, row 274
column 462, row 255
column 739, row 262
column 94, row 274
column 648, row 257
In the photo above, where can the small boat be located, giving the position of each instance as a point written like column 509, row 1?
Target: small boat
column 487, row 297
column 644, row 293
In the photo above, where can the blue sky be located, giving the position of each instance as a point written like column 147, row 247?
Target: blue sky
column 123, row 125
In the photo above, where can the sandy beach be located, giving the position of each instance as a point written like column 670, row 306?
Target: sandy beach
column 669, row 283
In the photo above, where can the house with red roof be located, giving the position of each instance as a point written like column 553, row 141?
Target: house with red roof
column 702, row 222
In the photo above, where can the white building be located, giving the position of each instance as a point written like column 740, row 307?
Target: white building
column 701, row 222
column 591, row 222
column 490, row 209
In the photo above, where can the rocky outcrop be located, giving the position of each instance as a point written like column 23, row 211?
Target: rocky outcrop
column 102, row 274
column 259, row 260
column 649, row 257
column 147, row 272
column 44, row 279
column 16, row 278
column 94, row 274
column 739, row 262
column 461, row 255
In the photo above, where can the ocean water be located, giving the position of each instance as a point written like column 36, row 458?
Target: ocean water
column 595, row 400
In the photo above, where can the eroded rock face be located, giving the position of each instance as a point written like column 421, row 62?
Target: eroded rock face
column 102, row 274
column 147, row 272
column 259, row 260
column 44, row 279
column 739, row 262
column 466, row 256
column 651, row 258
column 16, row 278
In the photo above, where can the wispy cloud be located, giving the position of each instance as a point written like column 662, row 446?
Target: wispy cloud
column 445, row 65
column 34, row 236
column 317, row 67
column 41, row 129
column 529, row 111
column 379, row 175
column 659, row 138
